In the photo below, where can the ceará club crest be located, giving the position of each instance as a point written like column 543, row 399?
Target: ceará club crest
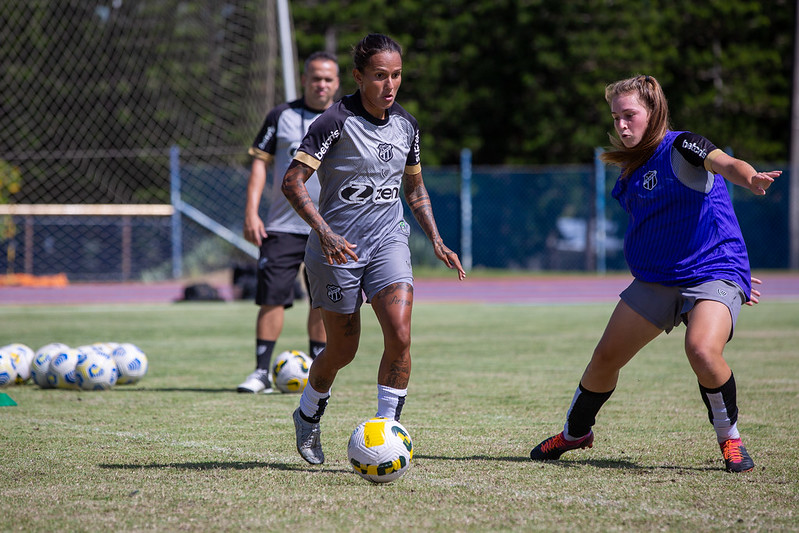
column 385, row 151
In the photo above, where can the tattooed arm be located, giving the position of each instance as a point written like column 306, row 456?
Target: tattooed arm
column 335, row 248
column 419, row 202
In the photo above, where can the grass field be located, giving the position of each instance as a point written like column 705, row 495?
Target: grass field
column 181, row 451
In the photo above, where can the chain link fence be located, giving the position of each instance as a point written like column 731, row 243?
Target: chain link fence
column 99, row 95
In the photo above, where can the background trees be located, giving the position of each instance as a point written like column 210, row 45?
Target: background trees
column 523, row 81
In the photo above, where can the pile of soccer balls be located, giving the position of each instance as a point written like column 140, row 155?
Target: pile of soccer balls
column 98, row 366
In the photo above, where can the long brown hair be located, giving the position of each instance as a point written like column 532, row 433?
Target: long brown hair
column 650, row 94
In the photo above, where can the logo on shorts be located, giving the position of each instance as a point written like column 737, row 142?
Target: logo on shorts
column 722, row 292
column 385, row 151
column 334, row 293
column 650, row 180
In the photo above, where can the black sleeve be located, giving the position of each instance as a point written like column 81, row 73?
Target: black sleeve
column 693, row 147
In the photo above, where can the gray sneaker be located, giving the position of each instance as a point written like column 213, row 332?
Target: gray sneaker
column 309, row 443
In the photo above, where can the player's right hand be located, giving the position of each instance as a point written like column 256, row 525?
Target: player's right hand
column 254, row 230
column 336, row 249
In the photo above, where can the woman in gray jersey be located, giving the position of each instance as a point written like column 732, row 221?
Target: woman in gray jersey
column 365, row 150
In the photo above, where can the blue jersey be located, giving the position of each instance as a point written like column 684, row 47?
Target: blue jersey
column 682, row 228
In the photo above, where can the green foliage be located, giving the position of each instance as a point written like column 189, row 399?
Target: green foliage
column 522, row 82
column 10, row 183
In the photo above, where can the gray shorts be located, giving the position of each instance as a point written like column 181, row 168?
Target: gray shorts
column 666, row 307
column 339, row 289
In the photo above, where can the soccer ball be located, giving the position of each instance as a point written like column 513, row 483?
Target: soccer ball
column 96, row 371
column 8, row 369
column 290, row 371
column 106, row 347
column 41, row 362
column 380, row 450
column 22, row 356
column 132, row 363
column 61, row 374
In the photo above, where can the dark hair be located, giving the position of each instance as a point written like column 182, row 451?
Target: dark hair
column 326, row 56
column 650, row 94
column 372, row 44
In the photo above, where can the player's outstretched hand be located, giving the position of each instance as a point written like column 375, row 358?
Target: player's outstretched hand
column 449, row 258
column 755, row 297
column 762, row 181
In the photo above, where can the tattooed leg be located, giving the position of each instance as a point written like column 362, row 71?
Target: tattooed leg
column 343, row 336
column 393, row 306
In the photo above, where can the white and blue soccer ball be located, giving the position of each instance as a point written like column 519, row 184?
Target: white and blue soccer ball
column 23, row 357
column 106, row 347
column 290, row 371
column 8, row 370
column 61, row 374
column 132, row 363
column 380, row 450
column 41, row 362
column 96, row 370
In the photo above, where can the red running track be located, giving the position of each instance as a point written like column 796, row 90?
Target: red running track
column 514, row 290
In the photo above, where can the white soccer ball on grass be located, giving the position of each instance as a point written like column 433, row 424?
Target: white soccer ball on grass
column 290, row 371
column 61, row 374
column 380, row 450
column 23, row 357
column 41, row 362
column 8, row 370
column 96, row 371
column 132, row 363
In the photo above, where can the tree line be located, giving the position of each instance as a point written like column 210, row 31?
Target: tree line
column 522, row 81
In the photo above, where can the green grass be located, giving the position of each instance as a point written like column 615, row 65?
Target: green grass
column 182, row 451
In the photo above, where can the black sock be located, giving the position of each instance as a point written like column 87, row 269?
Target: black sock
column 729, row 402
column 583, row 410
column 263, row 353
column 316, row 349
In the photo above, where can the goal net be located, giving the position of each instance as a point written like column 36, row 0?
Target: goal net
column 98, row 97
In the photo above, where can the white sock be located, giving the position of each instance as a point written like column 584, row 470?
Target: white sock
column 313, row 402
column 390, row 402
column 725, row 430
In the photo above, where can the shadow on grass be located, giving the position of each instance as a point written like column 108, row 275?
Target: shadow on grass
column 180, row 389
column 225, row 465
column 619, row 464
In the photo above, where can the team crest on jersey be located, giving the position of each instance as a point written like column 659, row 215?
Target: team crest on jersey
column 334, row 293
column 650, row 180
column 385, row 151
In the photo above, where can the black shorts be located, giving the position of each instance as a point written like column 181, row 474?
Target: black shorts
column 280, row 258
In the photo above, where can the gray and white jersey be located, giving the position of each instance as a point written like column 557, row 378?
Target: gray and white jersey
column 280, row 136
column 360, row 161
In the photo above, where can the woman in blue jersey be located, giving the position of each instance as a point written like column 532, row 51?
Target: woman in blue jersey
column 688, row 259
column 365, row 151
